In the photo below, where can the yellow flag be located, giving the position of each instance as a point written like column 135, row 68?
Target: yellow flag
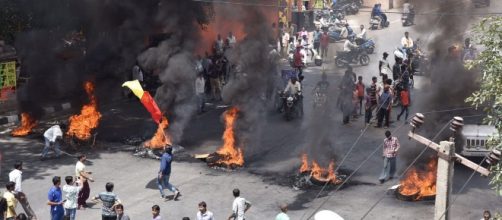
column 135, row 87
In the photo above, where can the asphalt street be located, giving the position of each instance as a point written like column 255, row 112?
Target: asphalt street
column 271, row 163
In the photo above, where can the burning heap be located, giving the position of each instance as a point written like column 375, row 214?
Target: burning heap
column 27, row 124
column 82, row 124
column 319, row 174
column 160, row 139
column 420, row 184
column 229, row 155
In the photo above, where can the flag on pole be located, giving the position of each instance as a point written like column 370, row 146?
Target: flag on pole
column 145, row 98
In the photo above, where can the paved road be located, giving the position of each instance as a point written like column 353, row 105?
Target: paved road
column 270, row 162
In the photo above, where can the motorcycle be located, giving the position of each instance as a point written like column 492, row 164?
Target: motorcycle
column 376, row 22
column 335, row 34
column 289, row 105
column 359, row 55
column 366, row 44
column 408, row 19
column 481, row 3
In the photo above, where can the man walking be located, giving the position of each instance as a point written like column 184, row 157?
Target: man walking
column 317, row 40
column 84, row 176
column 110, row 200
column 55, row 197
column 239, row 207
column 384, row 106
column 165, row 174
column 52, row 136
column 405, row 103
column 11, row 200
column 324, row 44
column 390, row 149
column 71, row 190
column 16, row 177
column 200, row 85
column 360, row 93
column 203, row 213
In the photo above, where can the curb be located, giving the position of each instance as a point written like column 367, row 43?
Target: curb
column 47, row 110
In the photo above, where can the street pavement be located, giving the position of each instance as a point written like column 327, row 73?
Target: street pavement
column 271, row 162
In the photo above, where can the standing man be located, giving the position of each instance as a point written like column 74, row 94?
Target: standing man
column 384, row 66
column 317, row 40
column 71, row 190
column 53, row 136
column 200, row 85
column 390, row 149
column 110, row 200
column 203, row 213
column 55, row 197
column 384, row 106
column 282, row 215
column 285, row 44
column 324, row 44
column 16, row 177
column 360, row 93
column 11, row 201
column 239, row 207
column 231, row 40
column 165, row 174
column 405, row 103
column 119, row 209
column 84, row 176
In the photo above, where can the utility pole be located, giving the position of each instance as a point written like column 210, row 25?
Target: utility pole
column 446, row 161
column 443, row 183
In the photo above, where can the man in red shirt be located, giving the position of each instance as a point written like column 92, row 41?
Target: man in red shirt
column 324, row 44
column 405, row 103
column 360, row 93
column 298, row 61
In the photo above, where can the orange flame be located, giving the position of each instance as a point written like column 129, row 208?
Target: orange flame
column 420, row 182
column 82, row 124
column 319, row 173
column 160, row 139
column 27, row 124
column 230, row 154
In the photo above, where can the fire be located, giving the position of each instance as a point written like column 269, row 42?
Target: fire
column 319, row 173
column 420, row 182
column 230, row 154
column 160, row 139
column 82, row 124
column 27, row 124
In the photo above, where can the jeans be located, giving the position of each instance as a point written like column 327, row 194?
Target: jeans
column 57, row 214
column 381, row 114
column 389, row 168
column 70, row 213
column 163, row 182
column 56, row 148
column 403, row 109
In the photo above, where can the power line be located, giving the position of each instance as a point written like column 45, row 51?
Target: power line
column 365, row 11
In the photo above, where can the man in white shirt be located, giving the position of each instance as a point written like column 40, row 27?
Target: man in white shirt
column 239, row 207
column 84, row 176
column 362, row 35
column 406, row 41
column 71, row 191
column 53, row 137
column 348, row 47
column 16, row 177
column 285, row 44
column 203, row 213
column 294, row 87
column 231, row 40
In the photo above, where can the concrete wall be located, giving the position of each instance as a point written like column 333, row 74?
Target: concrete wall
column 386, row 4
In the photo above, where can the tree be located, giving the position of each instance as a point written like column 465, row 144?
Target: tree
column 489, row 62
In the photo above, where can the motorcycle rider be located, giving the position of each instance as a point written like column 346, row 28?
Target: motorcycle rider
column 322, row 86
column 294, row 87
column 349, row 47
column 377, row 12
column 362, row 34
column 407, row 43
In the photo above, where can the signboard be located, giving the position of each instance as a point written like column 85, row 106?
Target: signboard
column 7, row 78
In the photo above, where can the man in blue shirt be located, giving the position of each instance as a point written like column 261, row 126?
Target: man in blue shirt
column 56, row 199
column 384, row 106
column 165, row 173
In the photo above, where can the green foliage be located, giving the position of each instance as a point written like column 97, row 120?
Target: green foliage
column 489, row 62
